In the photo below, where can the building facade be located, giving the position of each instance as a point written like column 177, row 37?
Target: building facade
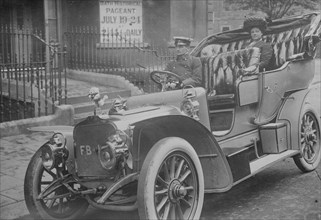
column 159, row 20
column 156, row 20
column 26, row 26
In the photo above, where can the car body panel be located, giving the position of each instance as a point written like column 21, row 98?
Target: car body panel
column 147, row 133
column 298, row 101
column 171, row 98
column 243, row 124
column 264, row 106
column 293, row 76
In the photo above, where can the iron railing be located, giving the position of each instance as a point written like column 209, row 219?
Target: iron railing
column 116, row 53
column 32, row 84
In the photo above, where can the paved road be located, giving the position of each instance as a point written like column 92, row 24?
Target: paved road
column 280, row 192
column 15, row 154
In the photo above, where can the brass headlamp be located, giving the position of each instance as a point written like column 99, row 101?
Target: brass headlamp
column 54, row 152
column 116, row 147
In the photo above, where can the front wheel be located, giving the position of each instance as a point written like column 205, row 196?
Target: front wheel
column 59, row 204
column 309, row 135
column 171, row 182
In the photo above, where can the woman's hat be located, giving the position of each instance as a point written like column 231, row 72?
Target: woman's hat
column 258, row 22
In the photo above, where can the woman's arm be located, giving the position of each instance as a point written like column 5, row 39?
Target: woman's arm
column 266, row 55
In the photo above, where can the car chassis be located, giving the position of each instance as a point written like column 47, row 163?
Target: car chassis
column 159, row 153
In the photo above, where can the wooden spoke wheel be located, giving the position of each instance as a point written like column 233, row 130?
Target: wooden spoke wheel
column 309, row 138
column 171, row 183
column 60, row 204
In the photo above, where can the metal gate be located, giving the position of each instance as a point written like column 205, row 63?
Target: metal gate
column 32, row 80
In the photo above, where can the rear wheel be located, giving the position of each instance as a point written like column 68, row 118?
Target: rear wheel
column 309, row 135
column 171, row 182
column 59, row 204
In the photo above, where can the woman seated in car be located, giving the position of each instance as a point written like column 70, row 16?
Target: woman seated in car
column 256, row 27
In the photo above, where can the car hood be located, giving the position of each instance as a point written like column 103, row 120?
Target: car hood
column 130, row 117
column 121, row 120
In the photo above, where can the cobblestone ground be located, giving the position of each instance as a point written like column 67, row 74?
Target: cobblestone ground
column 15, row 154
column 280, row 192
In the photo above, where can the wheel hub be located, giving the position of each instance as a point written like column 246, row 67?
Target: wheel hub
column 309, row 139
column 308, row 134
column 176, row 191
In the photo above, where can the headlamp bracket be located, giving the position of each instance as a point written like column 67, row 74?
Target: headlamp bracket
column 190, row 105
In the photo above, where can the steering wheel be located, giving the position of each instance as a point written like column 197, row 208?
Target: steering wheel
column 162, row 78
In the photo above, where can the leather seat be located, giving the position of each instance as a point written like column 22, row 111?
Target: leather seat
column 285, row 44
column 221, row 71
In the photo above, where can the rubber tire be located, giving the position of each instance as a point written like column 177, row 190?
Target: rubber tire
column 151, row 165
column 36, row 209
column 299, row 160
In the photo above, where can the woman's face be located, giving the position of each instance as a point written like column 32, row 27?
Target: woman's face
column 256, row 33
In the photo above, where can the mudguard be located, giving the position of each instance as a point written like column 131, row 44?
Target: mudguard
column 293, row 108
column 217, row 173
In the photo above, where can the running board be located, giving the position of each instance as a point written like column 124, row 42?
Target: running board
column 267, row 161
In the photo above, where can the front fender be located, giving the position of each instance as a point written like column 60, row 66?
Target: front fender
column 217, row 173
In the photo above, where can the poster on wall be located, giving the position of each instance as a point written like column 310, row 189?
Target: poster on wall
column 121, row 22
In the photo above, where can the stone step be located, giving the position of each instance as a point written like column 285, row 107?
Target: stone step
column 111, row 95
column 78, row 88
column 85, row 109
column 89, row 106
column 82, row 115
column 83, row 106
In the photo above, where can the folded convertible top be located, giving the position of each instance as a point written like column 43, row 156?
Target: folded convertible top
column 274, row 27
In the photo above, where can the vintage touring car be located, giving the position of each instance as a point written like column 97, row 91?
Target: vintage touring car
column 159, row 153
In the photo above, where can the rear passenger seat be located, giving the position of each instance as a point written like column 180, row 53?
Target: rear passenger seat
column 225, row 68
column 222, row 64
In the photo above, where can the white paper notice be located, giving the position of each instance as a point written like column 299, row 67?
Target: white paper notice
column 121, row 21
